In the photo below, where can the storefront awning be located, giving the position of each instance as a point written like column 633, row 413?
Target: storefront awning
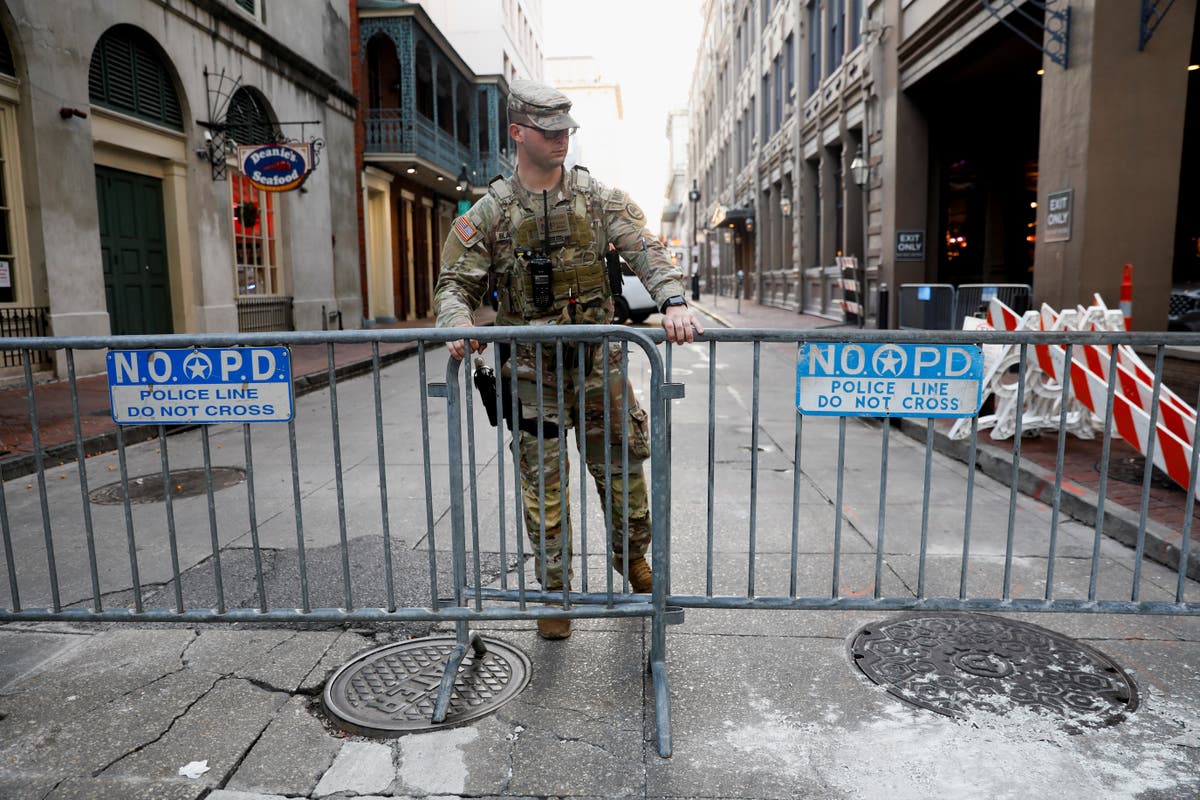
column 741, row 217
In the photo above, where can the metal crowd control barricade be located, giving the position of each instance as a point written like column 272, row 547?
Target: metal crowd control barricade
column 566, row 347
column 846, row 541
column 199, row 557
column 834, row 536
column 971, row 299
column 927, row 306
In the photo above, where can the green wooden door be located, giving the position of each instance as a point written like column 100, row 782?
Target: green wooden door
column 133, row 245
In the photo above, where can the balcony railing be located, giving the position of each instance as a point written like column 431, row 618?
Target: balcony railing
column 385, row 133
column 24, row 321
column 440, row 147
column 492, row 165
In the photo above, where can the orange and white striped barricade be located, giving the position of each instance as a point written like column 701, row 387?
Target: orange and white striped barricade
column 1000, row 382
column 1082, row 419
column 1170, row 453
column 997, row 358
column 1136, row 381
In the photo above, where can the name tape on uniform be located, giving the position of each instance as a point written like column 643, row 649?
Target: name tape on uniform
column 229, row 384
column 889, row 380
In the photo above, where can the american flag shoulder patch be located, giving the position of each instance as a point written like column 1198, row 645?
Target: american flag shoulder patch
column 465, row 229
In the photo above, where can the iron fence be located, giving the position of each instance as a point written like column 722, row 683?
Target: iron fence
column 22, row 322
column 265, row 314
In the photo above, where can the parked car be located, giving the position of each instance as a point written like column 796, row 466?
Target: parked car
column 635, row 304
column 1184, row 313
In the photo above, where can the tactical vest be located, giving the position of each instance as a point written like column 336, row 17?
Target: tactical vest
column 575, row 244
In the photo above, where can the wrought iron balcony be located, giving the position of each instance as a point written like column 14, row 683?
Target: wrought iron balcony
column 388, row 133
column 385, row 132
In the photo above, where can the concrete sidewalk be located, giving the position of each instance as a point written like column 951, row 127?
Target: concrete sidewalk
column 765, row 704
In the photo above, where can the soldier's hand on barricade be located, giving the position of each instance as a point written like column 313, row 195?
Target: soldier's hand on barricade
column 457, row 349
column 681, row 325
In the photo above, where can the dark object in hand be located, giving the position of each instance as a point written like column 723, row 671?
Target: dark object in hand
column 612, row 262
column 485, row 383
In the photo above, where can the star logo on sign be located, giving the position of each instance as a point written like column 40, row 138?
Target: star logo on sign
column 197, row 365
column 890, row 360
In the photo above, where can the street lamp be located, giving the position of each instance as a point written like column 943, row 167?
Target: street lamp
column 694, row 249
column 860, row 171
column 462, row 185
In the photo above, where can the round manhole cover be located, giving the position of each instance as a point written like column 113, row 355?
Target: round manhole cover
column 392, row 690
column 183, row 483
column 957, row 663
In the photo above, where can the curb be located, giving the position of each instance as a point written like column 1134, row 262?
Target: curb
column 1120, row 523
column 26, row 464
column 703, row 309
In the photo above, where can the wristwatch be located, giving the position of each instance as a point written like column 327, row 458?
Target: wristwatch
column 674, row 300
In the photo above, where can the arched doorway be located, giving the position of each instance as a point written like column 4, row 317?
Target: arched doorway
column 128, row 74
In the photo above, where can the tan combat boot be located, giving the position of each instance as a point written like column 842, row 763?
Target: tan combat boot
column 640, row 577
column 554, row 628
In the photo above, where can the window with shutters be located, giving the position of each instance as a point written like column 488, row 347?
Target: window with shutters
column 7, row 65
column 251, row 7
column 813, row 33
column 129, row 74
column 248, row 121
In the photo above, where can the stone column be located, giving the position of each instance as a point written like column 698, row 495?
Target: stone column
column 1112, row 132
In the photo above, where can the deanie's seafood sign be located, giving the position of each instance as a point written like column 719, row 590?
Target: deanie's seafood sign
column 276, row 167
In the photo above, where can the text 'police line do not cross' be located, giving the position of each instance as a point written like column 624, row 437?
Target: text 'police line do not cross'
column 200, row 385
column 889, row 380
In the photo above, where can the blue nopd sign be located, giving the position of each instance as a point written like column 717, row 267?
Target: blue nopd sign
column 227, row 384
column 889, row 380
column 276, row 167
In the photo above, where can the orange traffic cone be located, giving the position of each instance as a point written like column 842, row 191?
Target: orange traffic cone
column 1127, row 296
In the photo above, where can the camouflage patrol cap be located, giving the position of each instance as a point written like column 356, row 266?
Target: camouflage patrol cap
column 545, row 106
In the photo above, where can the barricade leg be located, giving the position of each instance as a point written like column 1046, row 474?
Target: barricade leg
column 466, row 638
column 458, row 538
column 660, row 477
column 658, row 677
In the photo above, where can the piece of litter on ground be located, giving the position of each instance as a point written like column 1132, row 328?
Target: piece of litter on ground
column 1190, row 739
column 194, row 769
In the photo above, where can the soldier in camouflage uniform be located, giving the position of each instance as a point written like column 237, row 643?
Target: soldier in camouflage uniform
column 495, row 239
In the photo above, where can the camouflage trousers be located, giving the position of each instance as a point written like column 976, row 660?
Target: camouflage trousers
column 547, row 505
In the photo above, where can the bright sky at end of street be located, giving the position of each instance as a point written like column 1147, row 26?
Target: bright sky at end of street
column 649, row 48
